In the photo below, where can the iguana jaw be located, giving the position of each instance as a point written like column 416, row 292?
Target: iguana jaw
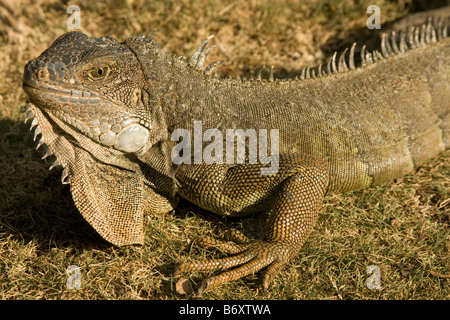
column 99, row 119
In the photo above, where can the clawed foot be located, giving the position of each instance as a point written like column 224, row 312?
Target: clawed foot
column 249, row 257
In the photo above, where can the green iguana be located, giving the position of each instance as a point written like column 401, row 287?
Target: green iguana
column 136, row 129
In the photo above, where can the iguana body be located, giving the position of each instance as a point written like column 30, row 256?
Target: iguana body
column 109, row 111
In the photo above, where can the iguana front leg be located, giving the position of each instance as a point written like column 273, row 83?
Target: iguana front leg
column 293, row 196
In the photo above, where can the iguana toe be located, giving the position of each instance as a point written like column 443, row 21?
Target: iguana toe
column 254, row 257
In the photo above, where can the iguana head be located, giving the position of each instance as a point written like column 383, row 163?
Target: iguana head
column 95, row 86
column 94, row 105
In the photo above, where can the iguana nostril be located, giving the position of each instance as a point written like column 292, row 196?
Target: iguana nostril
column 42, row 74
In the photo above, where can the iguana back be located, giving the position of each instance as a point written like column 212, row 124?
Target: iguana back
column 370, row 125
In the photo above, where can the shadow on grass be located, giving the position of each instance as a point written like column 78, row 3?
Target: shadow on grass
column 34, row 205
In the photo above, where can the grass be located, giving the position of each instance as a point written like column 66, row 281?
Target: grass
column 403, row 227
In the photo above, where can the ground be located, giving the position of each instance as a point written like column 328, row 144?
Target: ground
column 403, row 227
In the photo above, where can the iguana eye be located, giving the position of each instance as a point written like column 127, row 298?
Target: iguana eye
column 99, row 72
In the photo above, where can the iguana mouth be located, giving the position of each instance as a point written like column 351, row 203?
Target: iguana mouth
column 80, row 109
column 37, row 83
column 59, row 95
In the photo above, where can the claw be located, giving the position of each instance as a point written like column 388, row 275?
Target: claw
column 270, row 273
column 251, row 258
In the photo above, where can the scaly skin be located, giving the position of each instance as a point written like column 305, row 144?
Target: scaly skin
column 108, row 111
